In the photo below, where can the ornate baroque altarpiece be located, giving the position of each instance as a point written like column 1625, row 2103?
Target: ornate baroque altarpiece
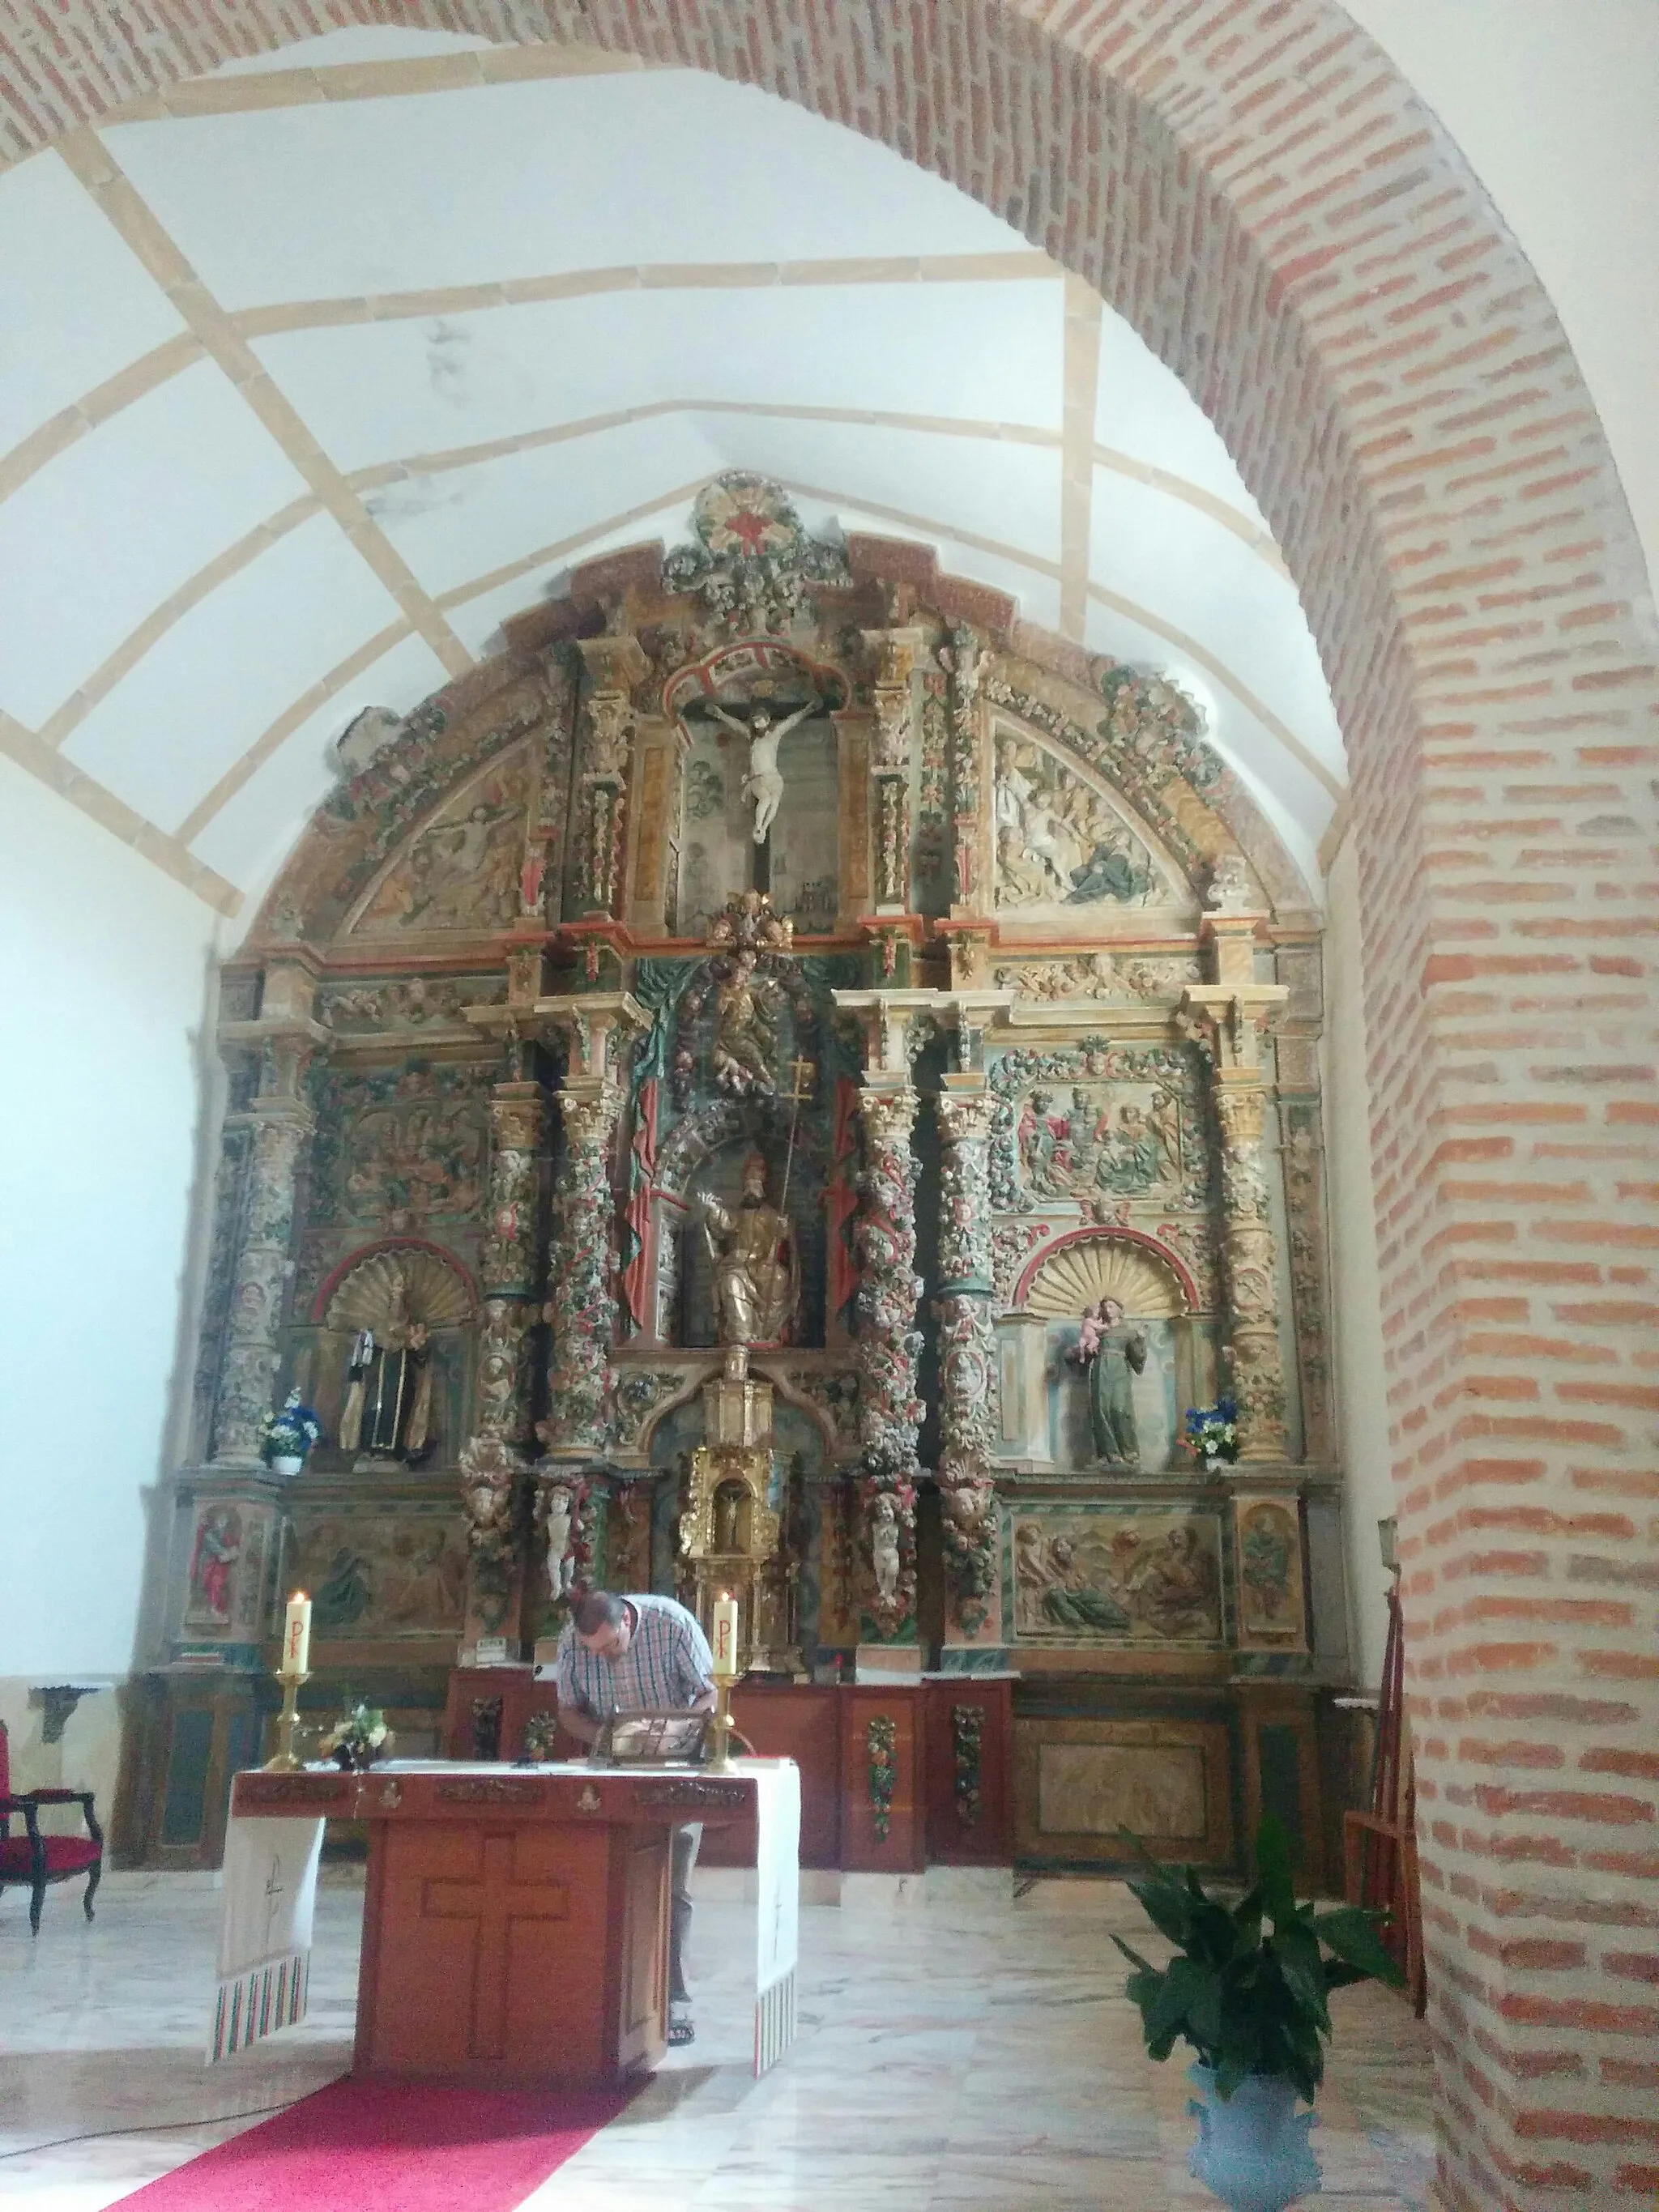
column 782, row 968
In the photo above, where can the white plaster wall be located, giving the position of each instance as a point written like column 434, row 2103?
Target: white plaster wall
column 87, row 1756
column 1361, row 1394
column 1553, row 104
column 104, row 965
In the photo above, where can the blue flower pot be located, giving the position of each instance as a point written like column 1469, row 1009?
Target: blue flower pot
column 1252, row 2150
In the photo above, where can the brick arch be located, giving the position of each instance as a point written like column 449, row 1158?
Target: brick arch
column 1257, row 191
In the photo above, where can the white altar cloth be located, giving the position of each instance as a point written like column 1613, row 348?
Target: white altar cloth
column 264, row 1930
column 271, row 1891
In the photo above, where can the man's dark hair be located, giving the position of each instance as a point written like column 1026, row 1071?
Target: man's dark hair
column 596, row 1609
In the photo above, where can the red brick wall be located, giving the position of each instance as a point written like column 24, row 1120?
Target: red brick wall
column 1254, row 186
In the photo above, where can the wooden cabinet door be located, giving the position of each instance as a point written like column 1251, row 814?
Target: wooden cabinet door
column 640, row 1967
column 881, row 1781
column 489, row 1960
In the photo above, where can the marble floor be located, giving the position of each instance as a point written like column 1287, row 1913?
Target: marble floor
column 965, row 2049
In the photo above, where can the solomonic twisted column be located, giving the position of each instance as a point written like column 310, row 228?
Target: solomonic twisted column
column 967, row 1375
column 1229, row 1018
column 888, row 1346
column 281, row 1124
column 581, row 1304
column 1254, row 1354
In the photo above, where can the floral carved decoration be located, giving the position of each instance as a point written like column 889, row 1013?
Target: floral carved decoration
column 751, row 562
column 966, row 1750
column 881, row 1766
column 968, row 1373
column 581, row 1304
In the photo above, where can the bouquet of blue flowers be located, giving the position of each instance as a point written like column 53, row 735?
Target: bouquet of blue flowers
column 1212, row 1431
column 290, row 1431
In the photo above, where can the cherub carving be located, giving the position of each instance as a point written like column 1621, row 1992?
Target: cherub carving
column 884, row 1556
column 559, row 1508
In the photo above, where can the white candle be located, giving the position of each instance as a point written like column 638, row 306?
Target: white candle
column 297, row 1634
column 725, row 1637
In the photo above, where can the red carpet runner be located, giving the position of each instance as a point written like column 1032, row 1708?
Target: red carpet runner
column 388, row 2147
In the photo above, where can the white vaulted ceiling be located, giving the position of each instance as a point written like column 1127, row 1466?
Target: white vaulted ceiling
column 312, row 374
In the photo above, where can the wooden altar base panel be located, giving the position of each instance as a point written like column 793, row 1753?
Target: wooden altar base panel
column 486, row 1961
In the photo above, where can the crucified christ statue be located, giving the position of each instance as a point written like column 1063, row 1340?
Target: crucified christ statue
column 763, row 780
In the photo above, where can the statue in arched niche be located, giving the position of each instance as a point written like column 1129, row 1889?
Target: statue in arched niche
column 752, row 1245
column 1114, row 1351
column 391, row 1301
column 388, row 1407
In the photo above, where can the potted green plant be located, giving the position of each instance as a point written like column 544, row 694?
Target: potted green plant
column 1248, row 1990
column 287, row 1435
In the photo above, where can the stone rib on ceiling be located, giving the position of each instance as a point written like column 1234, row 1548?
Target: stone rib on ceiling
column 229, row 339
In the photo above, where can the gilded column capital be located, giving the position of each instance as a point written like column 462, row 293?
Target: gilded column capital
column 890, row 1117
column 589, row 1112
column 615, row 660
column 1241, row 1109
column 592, row 1027
column 517, row 1116
column 964, row 1116
column 1229, row 1022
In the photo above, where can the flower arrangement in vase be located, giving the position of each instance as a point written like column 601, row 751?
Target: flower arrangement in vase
column 288, row 1435
column 1212, row 1433
column 541, row 1738
column 357, row 1739
column 1247, row 1989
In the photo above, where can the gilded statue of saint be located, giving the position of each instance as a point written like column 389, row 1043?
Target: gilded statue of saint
column 388, row 1406
column 753, row 1249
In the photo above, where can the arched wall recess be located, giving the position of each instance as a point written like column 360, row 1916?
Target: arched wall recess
column 1413, row 447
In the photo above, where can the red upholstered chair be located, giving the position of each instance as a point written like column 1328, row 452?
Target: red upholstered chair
column 38, row 1859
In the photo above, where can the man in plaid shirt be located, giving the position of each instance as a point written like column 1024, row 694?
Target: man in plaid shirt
column 629, row 1655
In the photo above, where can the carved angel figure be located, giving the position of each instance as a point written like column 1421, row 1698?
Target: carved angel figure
column 884, row 1548
column 745, row 1035
column 559, row 1514
column 747, row 924
column 489, row 1473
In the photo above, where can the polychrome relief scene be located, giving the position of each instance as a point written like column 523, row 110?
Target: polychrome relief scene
column 1091, row 1575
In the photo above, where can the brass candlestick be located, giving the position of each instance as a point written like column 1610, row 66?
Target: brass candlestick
column 285, row 1762
column 719, row 1726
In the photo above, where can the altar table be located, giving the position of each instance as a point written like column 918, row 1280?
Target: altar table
column 515, row 1925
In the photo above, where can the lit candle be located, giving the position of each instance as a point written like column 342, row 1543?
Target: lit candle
column 297, row 1634
column 725, row 1636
